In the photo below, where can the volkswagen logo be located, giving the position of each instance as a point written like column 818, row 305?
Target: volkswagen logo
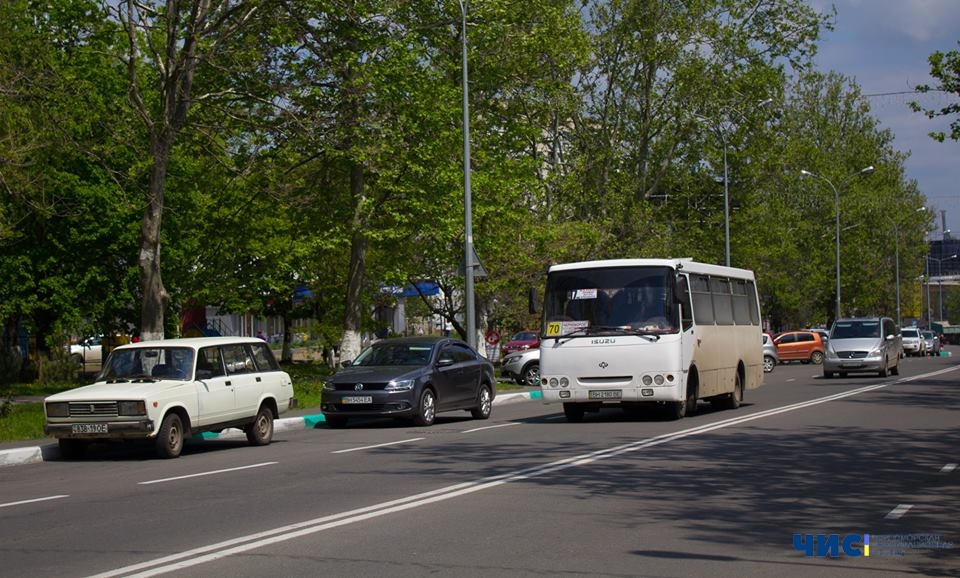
column 604, row 365
column 358, row 387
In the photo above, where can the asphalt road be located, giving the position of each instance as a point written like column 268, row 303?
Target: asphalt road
column 526, row 493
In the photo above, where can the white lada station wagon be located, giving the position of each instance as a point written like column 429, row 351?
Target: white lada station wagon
column 171, row 389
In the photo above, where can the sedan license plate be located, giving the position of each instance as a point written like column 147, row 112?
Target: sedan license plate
column 356, row 399
column 604, row 394
column 89, row 428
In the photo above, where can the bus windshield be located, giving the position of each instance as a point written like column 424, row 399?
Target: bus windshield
column 610, row 300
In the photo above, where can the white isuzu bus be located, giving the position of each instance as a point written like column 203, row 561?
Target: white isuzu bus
column 646, row 332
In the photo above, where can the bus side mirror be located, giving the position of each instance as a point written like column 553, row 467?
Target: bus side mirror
column 681, row 290
column 533, row 301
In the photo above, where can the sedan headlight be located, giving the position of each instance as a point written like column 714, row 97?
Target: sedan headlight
column 131, row 408
column 400, row 385
column 58, row 409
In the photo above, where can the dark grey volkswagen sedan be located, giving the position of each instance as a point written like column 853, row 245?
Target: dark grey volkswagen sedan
column 411, row 378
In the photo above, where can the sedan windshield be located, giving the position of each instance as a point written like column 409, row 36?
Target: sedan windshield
column 386, row 354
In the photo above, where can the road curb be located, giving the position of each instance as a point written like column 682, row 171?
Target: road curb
column 36, row 454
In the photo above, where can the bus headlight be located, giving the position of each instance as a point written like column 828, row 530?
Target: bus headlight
column 553, row 382
column 658, row 379
column 564, row 382
column 647, row 380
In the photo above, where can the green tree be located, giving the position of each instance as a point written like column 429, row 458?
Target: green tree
column 945, row 68
column 168, row 43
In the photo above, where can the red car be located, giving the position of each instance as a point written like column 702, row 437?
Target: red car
column 521, row 341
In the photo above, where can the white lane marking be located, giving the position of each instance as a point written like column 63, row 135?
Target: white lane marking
column 211, row 473
column 791, row 379
column 898, row 512
column 33, row 501
column 220, row 550
column 492, row 426
column 376, row 446
column 948, row 468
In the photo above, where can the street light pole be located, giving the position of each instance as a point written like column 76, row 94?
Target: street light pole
column 836, row 197
column 467, row 201
column 939, row 288
column 722, row 131
column 896, row 248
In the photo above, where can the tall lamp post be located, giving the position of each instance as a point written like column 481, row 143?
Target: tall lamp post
column 467, row 208
column 896, row 249
column 836, row 197
column 939, row 287
column 722, row 129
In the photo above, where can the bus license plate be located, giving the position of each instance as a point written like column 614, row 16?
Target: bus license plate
column 89, row 428
column 604, row 394
column 357, row 399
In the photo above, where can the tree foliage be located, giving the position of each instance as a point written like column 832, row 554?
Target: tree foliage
column 945, row 68
column 274, row 149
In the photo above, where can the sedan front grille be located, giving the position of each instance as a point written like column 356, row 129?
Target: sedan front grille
column 375, row 386
column 93, row 409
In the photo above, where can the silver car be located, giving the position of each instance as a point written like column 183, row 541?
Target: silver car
column 932, row 342
column 869, row 344
column 522, row 367
column 770, row 356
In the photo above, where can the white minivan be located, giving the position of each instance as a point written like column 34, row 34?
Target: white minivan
column 171, row 389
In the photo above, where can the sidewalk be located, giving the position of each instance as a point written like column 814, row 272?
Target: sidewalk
column 18, row 453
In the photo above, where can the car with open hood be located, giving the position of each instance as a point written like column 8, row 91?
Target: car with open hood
column 412, row 378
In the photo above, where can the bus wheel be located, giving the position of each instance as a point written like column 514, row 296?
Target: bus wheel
column 732, row 400
column 573, row 411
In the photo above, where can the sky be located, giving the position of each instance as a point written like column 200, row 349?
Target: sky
column 884, row 45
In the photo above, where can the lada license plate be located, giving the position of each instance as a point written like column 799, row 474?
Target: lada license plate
column 357, row 399
column 89, row 428
column 604, row 394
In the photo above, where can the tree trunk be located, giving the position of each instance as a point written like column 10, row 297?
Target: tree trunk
column 350, row 343
column 155, row 297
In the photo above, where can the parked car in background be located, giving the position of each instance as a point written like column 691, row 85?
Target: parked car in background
column 823, row 333
column 522, row 367
column 771, row 357
column 88, row 354
column 869, row 344
column 411, row 378
column 519, row 342
column 804, row 346
column 931, row 342
column 168, row 390
column 913, row 343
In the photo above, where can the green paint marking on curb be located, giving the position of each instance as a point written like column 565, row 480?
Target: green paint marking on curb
column 536, row 394
column 311, row 421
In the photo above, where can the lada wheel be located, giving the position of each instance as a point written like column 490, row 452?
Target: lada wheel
column 170, row 437
column 260, row 432
column 484, row 403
